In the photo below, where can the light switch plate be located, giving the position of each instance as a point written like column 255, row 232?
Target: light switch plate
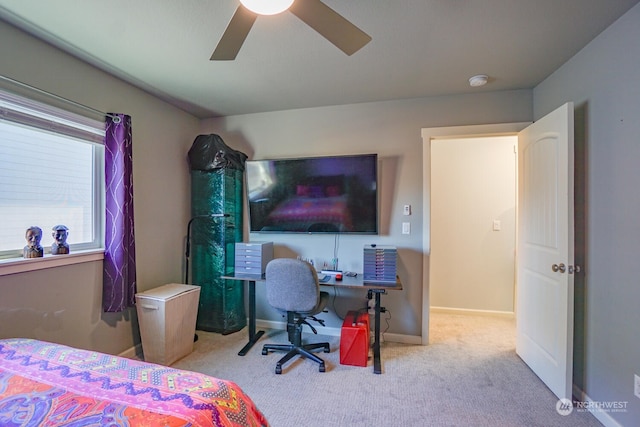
column 406, row 228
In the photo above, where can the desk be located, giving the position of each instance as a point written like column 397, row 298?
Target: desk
column 373, row 289
column 254, row 335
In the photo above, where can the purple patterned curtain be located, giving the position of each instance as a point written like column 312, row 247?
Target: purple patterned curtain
column 119, row 278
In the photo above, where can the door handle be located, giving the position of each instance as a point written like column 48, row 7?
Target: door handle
column 559, row 267
column 574, row 269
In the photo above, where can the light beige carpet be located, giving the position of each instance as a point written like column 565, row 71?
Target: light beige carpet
column 468, row 376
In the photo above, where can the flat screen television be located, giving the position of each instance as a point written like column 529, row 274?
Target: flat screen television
column 333, row 194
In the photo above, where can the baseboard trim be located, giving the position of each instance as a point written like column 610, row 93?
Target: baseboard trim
column 322, row 330
column 134, row 352
column 493, row 313
column 402, row 338
column 335, row 332
column 603, row 417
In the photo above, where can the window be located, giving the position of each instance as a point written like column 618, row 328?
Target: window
column 51, row 173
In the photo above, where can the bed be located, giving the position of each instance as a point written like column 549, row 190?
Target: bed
column 49, row 385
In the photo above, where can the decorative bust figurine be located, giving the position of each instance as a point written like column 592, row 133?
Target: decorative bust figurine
column 60, row 245
column 33, row 248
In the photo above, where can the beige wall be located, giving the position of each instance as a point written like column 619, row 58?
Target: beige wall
column 63, row 304
column 473, row 184
column 162, row 136
column 393, row 130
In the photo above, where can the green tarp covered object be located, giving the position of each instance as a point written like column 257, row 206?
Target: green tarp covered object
column 216, row 188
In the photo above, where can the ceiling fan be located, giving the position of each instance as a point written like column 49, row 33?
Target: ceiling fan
column 331, row 25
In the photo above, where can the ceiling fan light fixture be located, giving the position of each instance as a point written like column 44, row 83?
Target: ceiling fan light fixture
column 267, row 7
column 479, row 80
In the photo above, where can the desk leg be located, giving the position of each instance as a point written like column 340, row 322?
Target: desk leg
column 377, row 368
column 253, row 335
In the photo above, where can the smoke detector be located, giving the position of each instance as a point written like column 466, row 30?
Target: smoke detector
column 479, row 80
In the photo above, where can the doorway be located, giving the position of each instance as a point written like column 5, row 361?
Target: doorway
column 545, row 246
column 473, row 224
column 454, row 133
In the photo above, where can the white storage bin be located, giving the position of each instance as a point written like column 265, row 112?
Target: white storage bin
column 167, row 318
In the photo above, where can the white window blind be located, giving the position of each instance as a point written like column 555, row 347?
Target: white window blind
column 51, row 172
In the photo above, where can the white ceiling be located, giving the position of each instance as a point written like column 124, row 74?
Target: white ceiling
column 419, row 48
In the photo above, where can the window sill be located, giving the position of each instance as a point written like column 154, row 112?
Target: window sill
column 22, row 265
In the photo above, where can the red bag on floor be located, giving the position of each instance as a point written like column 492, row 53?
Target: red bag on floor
column 354, row 339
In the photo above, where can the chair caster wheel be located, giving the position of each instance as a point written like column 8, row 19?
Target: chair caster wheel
column 278, row 370
column 265, row 351
column 322, row 368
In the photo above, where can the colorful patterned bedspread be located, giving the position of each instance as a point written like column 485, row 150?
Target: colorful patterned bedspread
column 50, row 385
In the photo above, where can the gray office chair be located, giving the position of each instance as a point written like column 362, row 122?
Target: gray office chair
column 292, row 287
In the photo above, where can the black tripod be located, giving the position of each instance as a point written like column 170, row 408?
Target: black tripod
column 187, row 253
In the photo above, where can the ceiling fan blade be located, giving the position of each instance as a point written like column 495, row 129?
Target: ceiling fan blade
column 331, row 25
column 234, row 35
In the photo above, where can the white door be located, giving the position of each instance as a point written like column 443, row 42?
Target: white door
column 544, row 302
